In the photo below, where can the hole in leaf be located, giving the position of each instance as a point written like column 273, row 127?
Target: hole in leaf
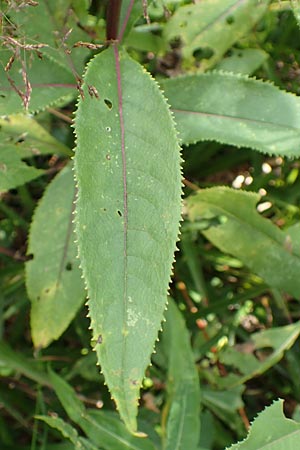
column 108, row 157
column 104, row 209
column 203, row 53
column 69, row 266
column 119, row 213
column 108, row 103
column 2, row 96
column 29, row 257
column 230, row 20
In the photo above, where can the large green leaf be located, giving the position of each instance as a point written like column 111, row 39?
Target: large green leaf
column 127, row 165
column 54, row 282
column 235, row 110
column 271, row 430
column 241, row 231
column 208, row 28
column 183, row 404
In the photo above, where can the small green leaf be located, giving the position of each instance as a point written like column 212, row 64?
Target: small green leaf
column 278, row 339
column 102, row 428
column 131, row 10
column 127, row 165
column 13, row 170
column 68, row 432
column 106, row 428
column 207, row 29
column 225, row 405
column 183, row 404
column 235, row 110
column 296, row 10
column 242, row 232
column 30, row 135
column 56, row 25
column 17, row 362
column 50, row 83
column 53, row 277
column 21, row 138
column 271, row 430
column 67, row 396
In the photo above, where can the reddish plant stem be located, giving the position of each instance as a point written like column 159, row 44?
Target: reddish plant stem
column 112, row 19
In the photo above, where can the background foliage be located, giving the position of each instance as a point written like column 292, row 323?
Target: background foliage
column 230, row 73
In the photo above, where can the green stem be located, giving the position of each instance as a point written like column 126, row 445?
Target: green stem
column 26, row 200
column 13, row 216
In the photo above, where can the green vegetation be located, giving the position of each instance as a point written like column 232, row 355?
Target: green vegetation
column 96, row 99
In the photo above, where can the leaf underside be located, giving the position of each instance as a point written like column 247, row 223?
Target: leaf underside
column 53, row 277
column 245, row 234
column 127, row 165
column 235, row 110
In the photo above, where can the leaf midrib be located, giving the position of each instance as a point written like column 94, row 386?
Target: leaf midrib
column 125, row 218
column 238, row 118
column 230, row 9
